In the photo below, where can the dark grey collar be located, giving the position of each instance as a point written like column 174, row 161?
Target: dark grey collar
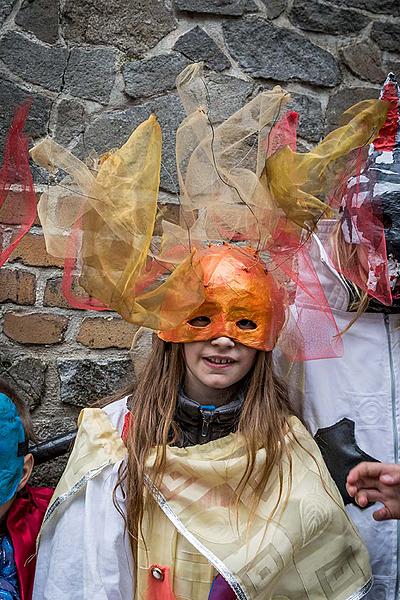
column 201, row 424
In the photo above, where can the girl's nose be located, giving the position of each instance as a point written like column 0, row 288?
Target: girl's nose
column 223, row 342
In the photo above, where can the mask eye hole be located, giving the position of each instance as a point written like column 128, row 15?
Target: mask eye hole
column 246, row 324
column 200, row 321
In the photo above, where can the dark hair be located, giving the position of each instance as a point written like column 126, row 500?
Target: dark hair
column 22, row 409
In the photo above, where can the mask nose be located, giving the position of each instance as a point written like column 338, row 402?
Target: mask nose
column 223, row 342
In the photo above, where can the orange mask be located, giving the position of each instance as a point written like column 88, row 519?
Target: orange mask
column 242, row 301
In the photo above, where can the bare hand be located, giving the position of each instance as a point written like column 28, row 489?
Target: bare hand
column 376, row 482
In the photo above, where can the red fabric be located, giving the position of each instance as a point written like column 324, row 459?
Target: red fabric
column 387, row 135
column 126, row 426
column 16, row 171
column 159, row 589
column 24, row 520
column 283, row 133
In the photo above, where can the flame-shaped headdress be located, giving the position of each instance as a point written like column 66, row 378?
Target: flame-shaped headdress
column 367, row 248
column 238, row 258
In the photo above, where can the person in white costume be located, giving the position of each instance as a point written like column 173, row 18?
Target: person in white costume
column 355, row 399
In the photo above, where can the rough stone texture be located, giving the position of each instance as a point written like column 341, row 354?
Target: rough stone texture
column 197, row 46
column 40, row 17
column 290, row 57
column 51, row 471
column 34, row 328
column 153, row 76
column 310, row 116
column 6, row 7
column 312, row 15
column 365, row 60
column 26, row 374
column 234, row 8
column 17, row 286
column 109, row 332
column 53, row 295
column 132, row 26
column 32, row 251
column 33, row 61
column 232, row 90
column 85, row 381
column 112, row 129
column 12, row 95
column 389, row 7
column 392, row 65
column 70, row 120
column 386, row 35
column 342, row 100
column 274, row 7
column 90, row 73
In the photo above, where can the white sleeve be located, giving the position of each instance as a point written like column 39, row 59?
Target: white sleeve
column 84, row 550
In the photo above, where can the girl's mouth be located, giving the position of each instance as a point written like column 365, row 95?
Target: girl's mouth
column 219, row 362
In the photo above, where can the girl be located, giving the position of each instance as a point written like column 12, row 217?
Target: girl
column 217, row 476
column 202, row 483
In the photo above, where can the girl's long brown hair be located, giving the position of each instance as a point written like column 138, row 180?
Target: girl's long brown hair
column 264, row 422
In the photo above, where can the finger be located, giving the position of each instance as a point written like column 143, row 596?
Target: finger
column 364, row 496
column 390, row 475
column 367, row 483
column 361, row 498
column 366, row 470
column 351, row 490
column 383, row 514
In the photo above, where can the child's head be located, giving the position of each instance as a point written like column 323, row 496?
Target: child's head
column 15, row 462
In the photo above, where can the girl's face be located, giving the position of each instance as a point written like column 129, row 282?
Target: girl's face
column 215, row 365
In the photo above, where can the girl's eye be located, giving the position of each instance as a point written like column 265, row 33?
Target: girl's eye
column 246, row 324
column 200, row 321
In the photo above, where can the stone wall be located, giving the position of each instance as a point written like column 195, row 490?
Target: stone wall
column 95, row 69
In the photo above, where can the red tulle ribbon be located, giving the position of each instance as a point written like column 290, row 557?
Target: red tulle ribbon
column 15, row 171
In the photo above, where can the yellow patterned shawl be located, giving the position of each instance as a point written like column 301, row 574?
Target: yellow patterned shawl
column 308, row 551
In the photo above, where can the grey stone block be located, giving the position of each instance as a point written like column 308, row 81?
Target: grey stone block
column 271, row 52
column 134, row 27
column 312, row 15
column 26, row 375
column 274, row 7
column 112, row 129
column 90, row 73
column 386, row 35
column 40, row 17
column 227, row 95
column 11, row 96
column 153, row 76
column 33, row 61
column 197, row 46
column 387, row 7
column 364, row 60
column 82, row 382
column 6, row 7
column 70, row 120
column 310, row 116
column 233, row 8
column 342, row 100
